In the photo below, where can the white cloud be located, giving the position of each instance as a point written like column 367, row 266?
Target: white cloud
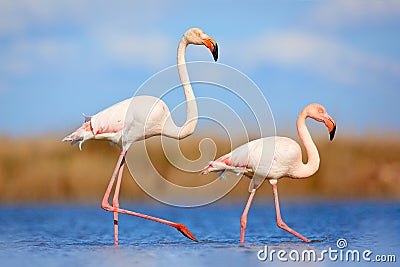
column 46, row 33
column 25, row 56
column 323, row 53
column 21, row 16
column 347, row 12
column 314, row 53
column 128, row 33
column 148, row 51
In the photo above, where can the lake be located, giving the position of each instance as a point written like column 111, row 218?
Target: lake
column 82, row 235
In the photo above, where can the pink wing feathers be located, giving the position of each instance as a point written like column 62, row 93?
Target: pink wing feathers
column 110, row 120
column 253, row 159
column 107, row 124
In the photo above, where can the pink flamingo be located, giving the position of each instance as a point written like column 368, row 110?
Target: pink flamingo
column 256, row 162
column 149, row 116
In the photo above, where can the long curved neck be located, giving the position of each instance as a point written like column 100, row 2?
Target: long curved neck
column 306, row 169
column 170, row 128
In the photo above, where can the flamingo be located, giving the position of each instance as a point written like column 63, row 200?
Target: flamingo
column 257, row 163
column 148, row 116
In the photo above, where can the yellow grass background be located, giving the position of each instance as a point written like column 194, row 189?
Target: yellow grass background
column 44, row 169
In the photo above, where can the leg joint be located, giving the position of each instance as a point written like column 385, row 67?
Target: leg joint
column 243, row 222
column 106, row 206
column 281, row 225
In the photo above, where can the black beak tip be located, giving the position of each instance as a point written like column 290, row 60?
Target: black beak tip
column 332, row 133
column 215, row 52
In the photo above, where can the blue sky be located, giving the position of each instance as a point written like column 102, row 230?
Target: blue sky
column 61, row 58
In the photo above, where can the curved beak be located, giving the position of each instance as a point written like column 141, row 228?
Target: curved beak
column 332, row 133
column 212, row 46
column 331, row 125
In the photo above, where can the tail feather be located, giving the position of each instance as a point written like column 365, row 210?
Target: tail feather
column 68, row 138
column 87, row 118
column 80, row 135
column 74, row 138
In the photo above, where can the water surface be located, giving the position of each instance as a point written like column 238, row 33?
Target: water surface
column 62, row 235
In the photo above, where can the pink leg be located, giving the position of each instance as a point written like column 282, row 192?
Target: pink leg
column 243, row 219
column 115, row 201
column 118, row 170
column 105, row 205
column 279, row 221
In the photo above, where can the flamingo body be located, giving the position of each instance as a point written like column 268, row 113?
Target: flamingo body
column 255, row 162
column 141, row 117
column 273, row 158
column 146, row 118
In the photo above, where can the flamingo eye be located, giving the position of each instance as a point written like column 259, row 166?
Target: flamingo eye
column 320, row 110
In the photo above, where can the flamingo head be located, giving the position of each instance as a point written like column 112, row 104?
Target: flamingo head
column 318, row 113
column 196, row 36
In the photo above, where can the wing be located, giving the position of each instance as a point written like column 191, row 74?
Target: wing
column 272, row 158
column 110, row 120
column 256, row 155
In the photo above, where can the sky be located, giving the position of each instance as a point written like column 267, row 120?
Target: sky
column 59, row 59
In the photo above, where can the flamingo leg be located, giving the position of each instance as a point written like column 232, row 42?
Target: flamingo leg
column 115, row 202
column 243, row 218
column 281, row 224
column 115, row 208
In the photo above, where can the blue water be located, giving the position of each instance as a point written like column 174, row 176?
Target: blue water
column 82, row 235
